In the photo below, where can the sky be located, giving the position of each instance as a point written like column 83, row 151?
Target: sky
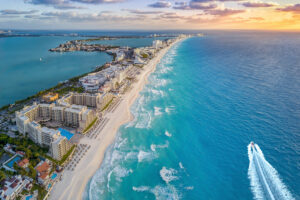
column 150, row 14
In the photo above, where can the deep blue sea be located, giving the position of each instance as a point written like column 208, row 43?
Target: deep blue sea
column 207, row 100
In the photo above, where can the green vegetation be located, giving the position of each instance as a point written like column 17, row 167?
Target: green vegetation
column 76, row 78
column 2, row 176
column 65, row 90
column 42, row 191
column 139, row 66
column 145, row 55
column 32, row 151
column 90, row 125
column 64, row 158
column 4, row 107
column 106, row 106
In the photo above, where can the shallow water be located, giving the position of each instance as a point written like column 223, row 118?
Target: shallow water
column 208, row 98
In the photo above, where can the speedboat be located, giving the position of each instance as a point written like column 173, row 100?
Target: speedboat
column 252, row 146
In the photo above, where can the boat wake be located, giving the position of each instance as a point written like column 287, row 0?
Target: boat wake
column 264, row 179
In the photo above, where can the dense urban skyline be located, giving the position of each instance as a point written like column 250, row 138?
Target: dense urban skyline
column 150, row 14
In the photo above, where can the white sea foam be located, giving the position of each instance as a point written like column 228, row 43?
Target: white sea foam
column 169, row 109
column 189, row 188
column 136, row 110
column 120, row 172
column 157, row 111
column 141, row 188
column 131, row 155
column 160, row 192
column 159, row 93
column 181, row 165
column 108, row 178
column 159, row 146
column 168, row 192
column 168, row 134
column 264, row 179
column 168, row 175
column 115, row 156
column 145, row 156
column 144, row 119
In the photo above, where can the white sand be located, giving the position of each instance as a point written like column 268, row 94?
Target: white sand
column 73, row 183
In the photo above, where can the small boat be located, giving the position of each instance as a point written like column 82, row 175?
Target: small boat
column 40, row 59
column 252, row 146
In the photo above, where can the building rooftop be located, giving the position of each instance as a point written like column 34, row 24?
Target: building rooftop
column 23, row 162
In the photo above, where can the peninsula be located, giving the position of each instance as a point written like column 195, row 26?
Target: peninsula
column 70, row 125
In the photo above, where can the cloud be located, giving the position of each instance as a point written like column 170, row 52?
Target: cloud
column 160, row 4
column 206, row 1
column 67, row 4
column 142, row 12
column 17, row 12
column 224, row 12
column 259, row 4
column 257, row 18
column 181, row 6
column 88, row 17
column 98, row 1
column 195, row 5
column 198, row 5
column 58, row 4
column 292, row 8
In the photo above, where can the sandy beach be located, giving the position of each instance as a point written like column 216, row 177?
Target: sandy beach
column 73, row 183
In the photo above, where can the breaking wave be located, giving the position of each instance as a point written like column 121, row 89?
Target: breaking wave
column 161, row 146
column 168, row 175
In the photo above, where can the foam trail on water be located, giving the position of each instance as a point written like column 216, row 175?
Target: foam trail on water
column 264, row 179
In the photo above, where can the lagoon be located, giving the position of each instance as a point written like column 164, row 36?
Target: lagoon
column 27, row 66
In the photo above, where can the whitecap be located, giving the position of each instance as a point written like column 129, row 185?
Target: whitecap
column 181, row 165
column 168, row 134
column 168, row 175
column 165, row 192
column 141, row 188
column 157, row 111
column 145, row 156
column 161, row 146
column 189, row 188
column 130, row 155
column 120, row 172
column 115, row 156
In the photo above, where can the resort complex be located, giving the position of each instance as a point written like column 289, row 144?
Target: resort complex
column 63, row 126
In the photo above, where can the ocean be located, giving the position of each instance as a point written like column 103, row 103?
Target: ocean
column 207, row 100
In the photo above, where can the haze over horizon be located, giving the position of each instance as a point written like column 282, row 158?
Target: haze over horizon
column 150, row 14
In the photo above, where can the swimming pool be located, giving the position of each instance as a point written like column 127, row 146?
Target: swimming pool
column 66, row 133
column 28, row 197
column 54, row 175
column 14, row 159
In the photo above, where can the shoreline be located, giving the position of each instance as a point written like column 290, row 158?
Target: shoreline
column 73, row 183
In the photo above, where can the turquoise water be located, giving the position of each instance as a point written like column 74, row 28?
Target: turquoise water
column 10, row 164
column 66, row 133
column 53, row 176
column 130, row 42
column 208, row 98
column 28, row 197
column 22, row 73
